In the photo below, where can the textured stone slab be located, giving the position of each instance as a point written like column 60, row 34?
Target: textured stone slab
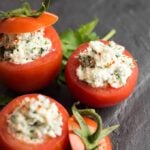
column 131, row 20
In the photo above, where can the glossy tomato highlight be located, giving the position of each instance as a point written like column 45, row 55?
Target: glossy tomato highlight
column 8, row 142
column 97, row 97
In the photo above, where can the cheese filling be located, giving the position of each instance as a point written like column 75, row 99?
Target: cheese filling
column 102, row 65
column 35, row 119
column 25, row 47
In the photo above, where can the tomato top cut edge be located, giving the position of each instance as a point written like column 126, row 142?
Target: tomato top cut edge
column 17, row 25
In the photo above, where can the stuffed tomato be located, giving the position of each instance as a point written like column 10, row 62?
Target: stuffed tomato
column 34, row 121
column 101, row 73
column 30, row 51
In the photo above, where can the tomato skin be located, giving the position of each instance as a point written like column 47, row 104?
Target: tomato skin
column 7, row 142
column 76, row 142
column 97, row 97
column 37, row 74
column 17, row 25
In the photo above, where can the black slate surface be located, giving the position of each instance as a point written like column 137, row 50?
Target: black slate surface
column 131, row 20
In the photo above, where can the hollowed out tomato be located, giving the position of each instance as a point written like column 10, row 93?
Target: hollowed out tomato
column 9, row 142
column 97, row 97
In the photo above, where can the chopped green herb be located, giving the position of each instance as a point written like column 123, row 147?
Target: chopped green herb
column 41, row 50
column 36, row 124
column 13, row 118
column 87, row 61
column 18, row 131
column 27, row 41
column 117, row 74
column 2, row 50
column 31, row 131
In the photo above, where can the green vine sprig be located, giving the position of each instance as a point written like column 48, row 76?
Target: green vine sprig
column 90, row 140
column 25, row 11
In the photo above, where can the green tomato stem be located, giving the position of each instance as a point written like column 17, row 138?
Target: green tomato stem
column 109, row 35
column 25, row 11
column 90, row 140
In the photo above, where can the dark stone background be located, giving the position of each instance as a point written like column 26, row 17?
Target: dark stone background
column 131, row 20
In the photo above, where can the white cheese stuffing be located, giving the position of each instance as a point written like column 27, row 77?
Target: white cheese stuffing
column 103, row 65
column 35, row 119
column 25, row 47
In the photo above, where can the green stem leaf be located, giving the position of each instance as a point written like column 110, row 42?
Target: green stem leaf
column 43, row 8
column 25, row 11
column 109, row 35
column 80, row 120
column 90, row 140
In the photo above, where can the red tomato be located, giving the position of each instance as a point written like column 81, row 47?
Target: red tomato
column 8, row 142
column 75, row 141
column 97, row 97
column 37, row 74
column 26, row 24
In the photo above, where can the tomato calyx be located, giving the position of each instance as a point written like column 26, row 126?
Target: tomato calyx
column 90, row 140
column 25, row 11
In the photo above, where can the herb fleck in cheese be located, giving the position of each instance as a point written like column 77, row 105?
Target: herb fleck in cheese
column 25, row 47
column 35, row 119
column 102, row 65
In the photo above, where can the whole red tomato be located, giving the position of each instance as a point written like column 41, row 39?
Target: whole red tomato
column 42, row 71
column 97, row 97
column 76, row 142
column 8, row 142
